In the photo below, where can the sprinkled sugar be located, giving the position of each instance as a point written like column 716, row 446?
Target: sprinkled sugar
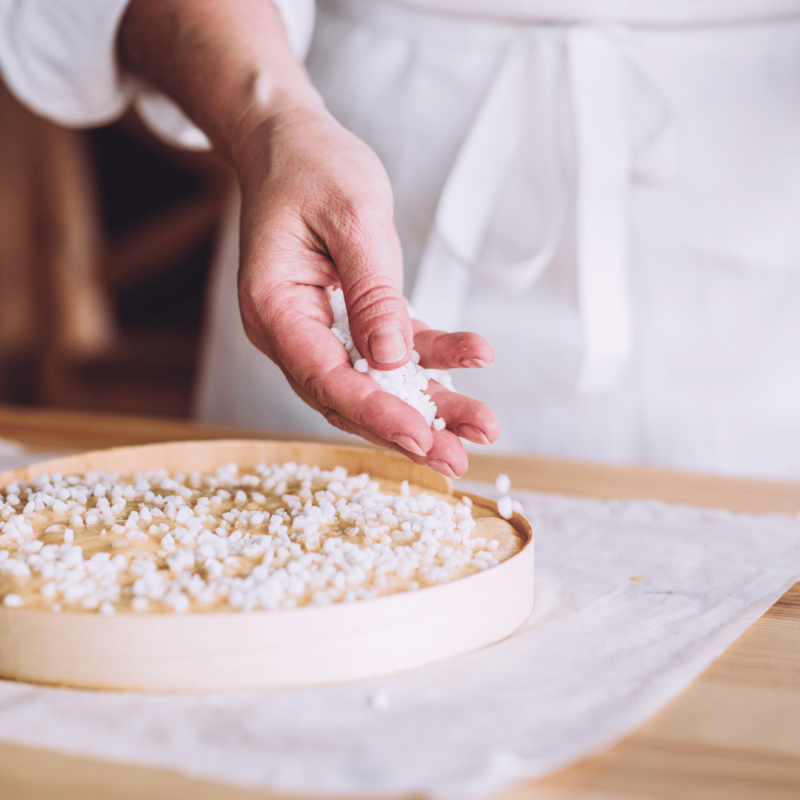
column 274, row 537
column 380, row 700
column 506, row 506
column 503, row 483
column 409, row 383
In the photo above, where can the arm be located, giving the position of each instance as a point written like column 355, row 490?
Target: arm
column 316, row 211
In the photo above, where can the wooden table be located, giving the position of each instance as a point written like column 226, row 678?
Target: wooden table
column 735, row 733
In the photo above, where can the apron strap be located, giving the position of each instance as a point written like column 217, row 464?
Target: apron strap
column 599, row 63
column 597, row 83
column 451, row 258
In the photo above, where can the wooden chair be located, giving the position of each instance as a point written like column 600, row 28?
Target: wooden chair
column 53, row 305
column 60, row 271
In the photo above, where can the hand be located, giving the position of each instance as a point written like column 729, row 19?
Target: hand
column 317, row 212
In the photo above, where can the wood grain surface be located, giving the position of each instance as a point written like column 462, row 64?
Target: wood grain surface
column 734, row 734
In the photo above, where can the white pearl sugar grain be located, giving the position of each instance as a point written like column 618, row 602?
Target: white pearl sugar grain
column 505, row 507
column 503, row 483
column 409, row 382
column 272, row 537
column 380, row 700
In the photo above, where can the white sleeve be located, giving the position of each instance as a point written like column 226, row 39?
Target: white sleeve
column 59, row 58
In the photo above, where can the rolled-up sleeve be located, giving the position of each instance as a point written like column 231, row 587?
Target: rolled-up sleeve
column 59, row 58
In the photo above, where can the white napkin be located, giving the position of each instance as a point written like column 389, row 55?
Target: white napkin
column 13, row 454
column 600, row 654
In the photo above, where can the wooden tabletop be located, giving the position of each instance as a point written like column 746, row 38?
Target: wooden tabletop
column 734, row 734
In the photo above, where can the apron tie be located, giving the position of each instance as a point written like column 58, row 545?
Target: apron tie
column 519, row 115
column 526, row 80
column 596, row 79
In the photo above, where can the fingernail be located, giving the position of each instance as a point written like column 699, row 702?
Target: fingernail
column 387, row 344
column 442, row 467
column 475, row 363
column 407, row 443
column 473, row 434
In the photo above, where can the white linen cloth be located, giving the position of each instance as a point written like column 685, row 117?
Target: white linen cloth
column 600, row 654
column 12, row 454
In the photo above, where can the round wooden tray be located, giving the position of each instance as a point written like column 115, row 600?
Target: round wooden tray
column 306, row 646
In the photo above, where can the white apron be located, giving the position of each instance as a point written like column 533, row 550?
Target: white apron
column 614, row 206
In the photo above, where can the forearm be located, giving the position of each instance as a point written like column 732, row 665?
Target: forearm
column 228, row 65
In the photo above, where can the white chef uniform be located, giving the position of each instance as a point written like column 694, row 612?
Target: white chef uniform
column 613, row 187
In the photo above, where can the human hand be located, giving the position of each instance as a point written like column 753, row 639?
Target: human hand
column 316, row 213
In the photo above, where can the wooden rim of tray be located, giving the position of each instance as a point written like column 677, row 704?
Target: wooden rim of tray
column 306, row 646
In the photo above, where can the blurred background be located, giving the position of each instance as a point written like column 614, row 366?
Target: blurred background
column 106, row 236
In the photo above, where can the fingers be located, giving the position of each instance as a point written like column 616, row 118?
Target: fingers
column 446, row 455
column 319, row 369
column 366, row 251
column 470, row 419
column 359, row 399
column 440, row 350
column 466, row 418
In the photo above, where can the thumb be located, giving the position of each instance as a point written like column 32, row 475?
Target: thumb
column 370, row 270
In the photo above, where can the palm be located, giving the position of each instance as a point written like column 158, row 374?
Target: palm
column 299, row 236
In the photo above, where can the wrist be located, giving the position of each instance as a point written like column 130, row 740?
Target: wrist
column 266, row 109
